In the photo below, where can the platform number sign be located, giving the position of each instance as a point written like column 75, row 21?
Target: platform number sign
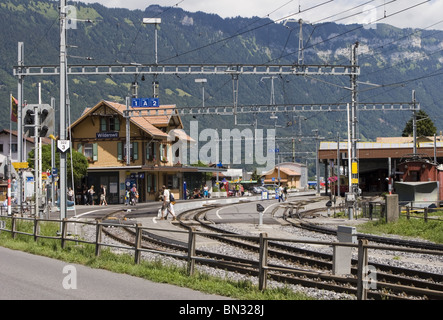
column 145, row 102
column 63, row 145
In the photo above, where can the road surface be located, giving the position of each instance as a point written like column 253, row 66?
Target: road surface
column 25, row 276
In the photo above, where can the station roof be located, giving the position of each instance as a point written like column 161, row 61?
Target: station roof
column 383, row 148
column 151, row 124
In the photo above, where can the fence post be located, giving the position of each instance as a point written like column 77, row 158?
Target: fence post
column 64, row 231
column 13, row 222
column 191, row 251
column 138, row 243
column 98, row 238
column 362, row 268
column 263, row 262
column 426, row 214
column 36, row 221
column 408, row 213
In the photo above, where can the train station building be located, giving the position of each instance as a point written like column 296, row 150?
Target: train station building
column 376, row 160
column 100, row 135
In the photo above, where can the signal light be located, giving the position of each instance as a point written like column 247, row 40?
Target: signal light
column 46, row 120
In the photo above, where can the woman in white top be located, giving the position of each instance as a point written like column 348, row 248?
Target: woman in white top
column 167, row 205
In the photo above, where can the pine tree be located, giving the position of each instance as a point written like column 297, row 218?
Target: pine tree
column 425, row 126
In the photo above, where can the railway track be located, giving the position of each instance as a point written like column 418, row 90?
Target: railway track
column 308, row 268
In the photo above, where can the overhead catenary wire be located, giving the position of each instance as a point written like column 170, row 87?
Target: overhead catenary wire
column 141, row 25
column 354, row 29
column 239, row 34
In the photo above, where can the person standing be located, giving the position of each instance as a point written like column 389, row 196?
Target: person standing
column 70, row 194
column 134, row 194
column 85, row 197
column 91, row 193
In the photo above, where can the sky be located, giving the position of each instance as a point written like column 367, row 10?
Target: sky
column 424, row 14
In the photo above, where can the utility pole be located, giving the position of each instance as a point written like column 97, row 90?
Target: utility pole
column 235, row 94
column 338, row 165
column 300, row 44
column 272, row 101
column 20, row 154
column 414, row 123
column 353, row 186
column 128, row 133
column 62, row 135
column 317, row 164
column 37, row 174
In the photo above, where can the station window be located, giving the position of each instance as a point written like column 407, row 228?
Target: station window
column 109, row 124
column 151, row 151
column 152, row 183
column 121, row 150
column 89, row 150
column 171, row 181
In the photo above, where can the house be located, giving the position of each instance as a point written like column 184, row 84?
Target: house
column 8, row 143
column 292, row 175
column 100, row 135
column 8, row 147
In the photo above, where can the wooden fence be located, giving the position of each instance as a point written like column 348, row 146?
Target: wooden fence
column 262, row 265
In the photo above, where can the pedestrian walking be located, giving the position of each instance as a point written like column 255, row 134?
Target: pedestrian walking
column 134, row 195
column 167, row 205
column 103, row 201
column 127, row 196
column 280, row 193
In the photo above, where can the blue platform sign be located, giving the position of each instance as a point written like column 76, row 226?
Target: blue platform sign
column 145, row 102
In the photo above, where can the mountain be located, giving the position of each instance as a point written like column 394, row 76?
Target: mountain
column 397, row 60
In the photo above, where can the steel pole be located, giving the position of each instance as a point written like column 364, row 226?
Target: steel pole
column 20, row 147
column 62, row 135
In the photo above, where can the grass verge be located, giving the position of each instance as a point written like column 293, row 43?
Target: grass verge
column 151, row 270
column 417, row 228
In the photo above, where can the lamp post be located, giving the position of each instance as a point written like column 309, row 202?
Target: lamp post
column 156, row 22
column 202, row 81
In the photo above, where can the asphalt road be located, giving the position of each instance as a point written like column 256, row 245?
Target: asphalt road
column 25, row 276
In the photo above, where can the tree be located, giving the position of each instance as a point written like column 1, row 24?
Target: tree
column 425, row 126
column 80, row 163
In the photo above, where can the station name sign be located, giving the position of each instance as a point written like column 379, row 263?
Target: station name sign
column 107, row 135
column 145, row 102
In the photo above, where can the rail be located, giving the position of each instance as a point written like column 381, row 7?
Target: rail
column 364, row 281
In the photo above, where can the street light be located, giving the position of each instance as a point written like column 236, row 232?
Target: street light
column 156, row 22
column 202, row 81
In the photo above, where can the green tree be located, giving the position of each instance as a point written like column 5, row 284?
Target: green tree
column 425, row 126
column 80, row 164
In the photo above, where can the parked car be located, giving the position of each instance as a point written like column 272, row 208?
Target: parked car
column 257, row 189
